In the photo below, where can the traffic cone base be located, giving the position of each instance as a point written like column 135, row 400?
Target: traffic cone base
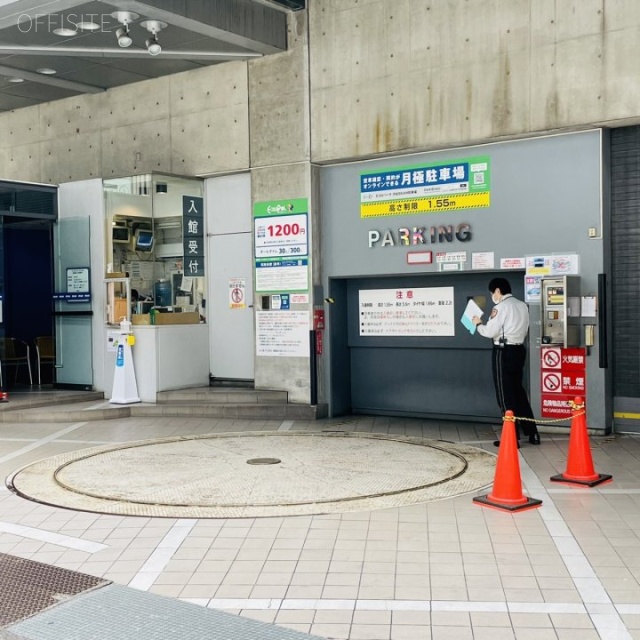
column 507, row 486
column 529, row 503
column 602, row 478
column 4, row 396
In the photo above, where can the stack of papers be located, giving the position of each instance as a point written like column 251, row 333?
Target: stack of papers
column 472, row 309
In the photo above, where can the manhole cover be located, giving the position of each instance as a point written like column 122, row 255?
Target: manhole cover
column 238, row 475
column 263, row 461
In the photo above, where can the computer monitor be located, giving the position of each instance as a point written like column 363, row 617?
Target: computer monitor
column 143, row 240
column 121, row 234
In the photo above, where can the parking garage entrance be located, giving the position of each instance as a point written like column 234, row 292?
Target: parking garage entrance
column 439, row 377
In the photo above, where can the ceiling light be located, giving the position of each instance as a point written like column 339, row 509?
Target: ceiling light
column 125, row 18
column 124, row 39
column 153, row 46
column 45, row 71
column 16, row 80
column 63, row 31
column 88, row 26
column 153, row 27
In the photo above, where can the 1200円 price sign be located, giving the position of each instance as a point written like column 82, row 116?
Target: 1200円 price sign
column 281, row 236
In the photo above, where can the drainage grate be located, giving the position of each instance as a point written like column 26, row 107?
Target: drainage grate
column 28, row 587
column 264, row 461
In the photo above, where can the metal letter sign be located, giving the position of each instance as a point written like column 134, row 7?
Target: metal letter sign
column 193, row 240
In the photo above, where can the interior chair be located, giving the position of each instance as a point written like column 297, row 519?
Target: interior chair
column 45, row 353
column 14, row 352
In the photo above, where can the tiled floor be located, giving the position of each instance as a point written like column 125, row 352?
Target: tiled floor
column 446, row 569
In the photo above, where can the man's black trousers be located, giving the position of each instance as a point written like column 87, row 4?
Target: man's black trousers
column 508, row 366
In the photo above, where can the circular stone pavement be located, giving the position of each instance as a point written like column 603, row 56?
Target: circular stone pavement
column 251, row 475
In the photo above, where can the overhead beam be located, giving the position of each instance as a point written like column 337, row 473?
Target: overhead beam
column 118, row 52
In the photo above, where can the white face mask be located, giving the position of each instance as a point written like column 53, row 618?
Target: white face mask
column 494, row 298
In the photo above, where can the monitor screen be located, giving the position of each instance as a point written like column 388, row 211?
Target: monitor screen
column 121, row 234
column 144, row 240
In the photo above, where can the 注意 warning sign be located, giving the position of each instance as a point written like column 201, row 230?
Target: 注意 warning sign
column 563, row 376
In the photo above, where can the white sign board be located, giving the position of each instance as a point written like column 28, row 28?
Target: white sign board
column 512, row 263
column 406, row 312
column 554, row 265
column 483, row 260
column 532, row 288
column 451, row 256
column 282, row 333
column 288, row 275
column 78, row 280
column 281, row 236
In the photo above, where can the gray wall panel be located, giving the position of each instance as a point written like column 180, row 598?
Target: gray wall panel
column 545, row 195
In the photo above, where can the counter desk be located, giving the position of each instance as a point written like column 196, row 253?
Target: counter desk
column 170, row 356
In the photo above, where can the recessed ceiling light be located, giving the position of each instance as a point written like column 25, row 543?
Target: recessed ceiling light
column 88, row 26
column 125, row 17
column 16, row 80
column 63, row 31
column 45, row 71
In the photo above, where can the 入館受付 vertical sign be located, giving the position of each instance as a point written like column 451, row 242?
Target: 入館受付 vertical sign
column 193, row 235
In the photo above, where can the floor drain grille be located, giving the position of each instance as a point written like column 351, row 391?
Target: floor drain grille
column 28, row 587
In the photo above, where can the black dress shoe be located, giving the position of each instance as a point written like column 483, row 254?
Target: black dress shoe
column 496, row 443
column 534, row 438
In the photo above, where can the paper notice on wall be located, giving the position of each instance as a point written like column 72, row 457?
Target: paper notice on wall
column 186, row 284
column 284, row 275
column 282, row 334
column 483, row 260
column 589, row 307
column 237, row 290
column 406, row 312
column 512, row 263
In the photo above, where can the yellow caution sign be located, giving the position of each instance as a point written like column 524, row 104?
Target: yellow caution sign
column 425, row 205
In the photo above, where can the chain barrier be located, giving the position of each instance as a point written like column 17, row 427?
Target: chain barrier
column 575, row 407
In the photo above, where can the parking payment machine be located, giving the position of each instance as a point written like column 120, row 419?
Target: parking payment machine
column 560, row 304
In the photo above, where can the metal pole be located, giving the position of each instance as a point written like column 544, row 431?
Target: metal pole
column 313, row 366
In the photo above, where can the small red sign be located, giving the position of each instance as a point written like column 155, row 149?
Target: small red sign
column 319, row 342
column 318, row 319
column 563, row 376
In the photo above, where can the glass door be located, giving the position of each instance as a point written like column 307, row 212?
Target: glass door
column 73, row 312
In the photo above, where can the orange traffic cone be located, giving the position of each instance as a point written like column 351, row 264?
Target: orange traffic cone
column 580, row 469
column 4, row 396
column 507, row 486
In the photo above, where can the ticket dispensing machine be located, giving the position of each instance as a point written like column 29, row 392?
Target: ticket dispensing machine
column 560, row 305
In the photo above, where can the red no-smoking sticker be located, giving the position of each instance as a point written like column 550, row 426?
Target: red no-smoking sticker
column 551, row 382
column 551, row 358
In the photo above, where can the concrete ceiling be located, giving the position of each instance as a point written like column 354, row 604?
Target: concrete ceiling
column 88, row 59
